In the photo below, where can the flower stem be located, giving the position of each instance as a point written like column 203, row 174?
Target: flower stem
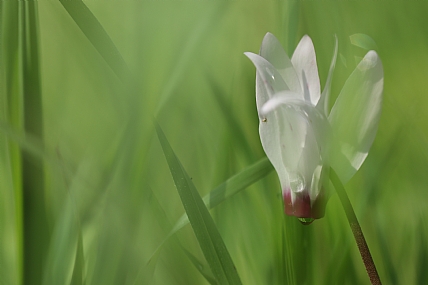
column 356, row 229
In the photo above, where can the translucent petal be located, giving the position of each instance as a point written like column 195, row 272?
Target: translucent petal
column 355, row 116
column 363, row 41
column 269, row 129
column 273, row 51
column 301, row 140
column 304, row 62
column 284, row 97
column 268, row 79
column 316, row 119
column 325, row 96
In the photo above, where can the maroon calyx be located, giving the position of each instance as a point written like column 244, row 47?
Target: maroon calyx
column 302, row 207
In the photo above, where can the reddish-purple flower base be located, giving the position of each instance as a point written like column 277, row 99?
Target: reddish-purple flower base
column 302, row 207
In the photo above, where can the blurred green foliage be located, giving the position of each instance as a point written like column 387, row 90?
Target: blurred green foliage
column 109, row 197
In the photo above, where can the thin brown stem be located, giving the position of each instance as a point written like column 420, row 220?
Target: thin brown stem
column 356, row 229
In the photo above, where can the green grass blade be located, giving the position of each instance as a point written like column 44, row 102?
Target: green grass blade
column 79, row 263
column 63, row 246
column 230, row 116
column 230, row 187
column 200, row 267
column 36, row 231
column 98, row 37
column 145, row 276
column 206, row 232
column 205, row 27
column 11, row 205
column 221, row 193
column 146, row 273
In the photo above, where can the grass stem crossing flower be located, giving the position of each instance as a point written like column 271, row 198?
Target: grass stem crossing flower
column 299, row 134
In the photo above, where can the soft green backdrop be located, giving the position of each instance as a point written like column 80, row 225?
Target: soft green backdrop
column 109, row 195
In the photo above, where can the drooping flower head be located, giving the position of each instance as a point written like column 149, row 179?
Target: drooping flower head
column 299, row 135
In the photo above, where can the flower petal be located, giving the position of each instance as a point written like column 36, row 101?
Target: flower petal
column 273, row 51
column 304, row 62
column 282, row 98
column 268, row 79
column 355, row 116
column 269, row 130
column 325, row 96
column 301, row 134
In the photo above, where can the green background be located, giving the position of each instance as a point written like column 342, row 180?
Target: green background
column 108, row 198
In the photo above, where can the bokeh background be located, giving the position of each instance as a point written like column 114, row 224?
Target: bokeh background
column 105, row 199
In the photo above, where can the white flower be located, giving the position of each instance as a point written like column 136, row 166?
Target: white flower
column 301, row 138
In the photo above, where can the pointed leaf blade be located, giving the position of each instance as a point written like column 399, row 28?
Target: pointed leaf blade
column 97, row 35
column 206, row 232
column 231, row 187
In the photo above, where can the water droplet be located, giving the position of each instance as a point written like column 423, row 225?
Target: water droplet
column 306, row 221
column 270, row 72
column 297, row 183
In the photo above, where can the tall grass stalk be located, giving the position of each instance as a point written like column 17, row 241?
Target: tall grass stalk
column 356, row 230
column 35, row 221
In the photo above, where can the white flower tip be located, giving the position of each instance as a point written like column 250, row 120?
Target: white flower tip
column 307, row 40
column 369, row 61
column 266, row 40
column 253, row 57
column 248, row 54
column 269, row 42
column 268, row 35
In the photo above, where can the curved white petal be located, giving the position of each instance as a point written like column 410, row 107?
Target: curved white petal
column 355, row 116
column 269, row 130
column 325, row 96
column 268, row 79
column 284, row 97
column 273, row 51
column 294, row 137
column 304, row 62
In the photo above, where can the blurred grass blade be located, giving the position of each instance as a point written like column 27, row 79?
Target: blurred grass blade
column 36, row 227
column 230, row 116
column 227, row 189
column 147, row 272
column 63, row 246
column 291, row 22
column 79, row 264
column 33, row 146
column 145, row 275
column 206, row 232
column 25, row 141
column 202, row 30
column 230, row 187
column 11, row 194
column 200, row 267
column 98, row 37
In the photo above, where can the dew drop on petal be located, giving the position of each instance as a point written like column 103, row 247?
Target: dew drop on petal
column 306, row 221
column 297, row 183
column 270, row 72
